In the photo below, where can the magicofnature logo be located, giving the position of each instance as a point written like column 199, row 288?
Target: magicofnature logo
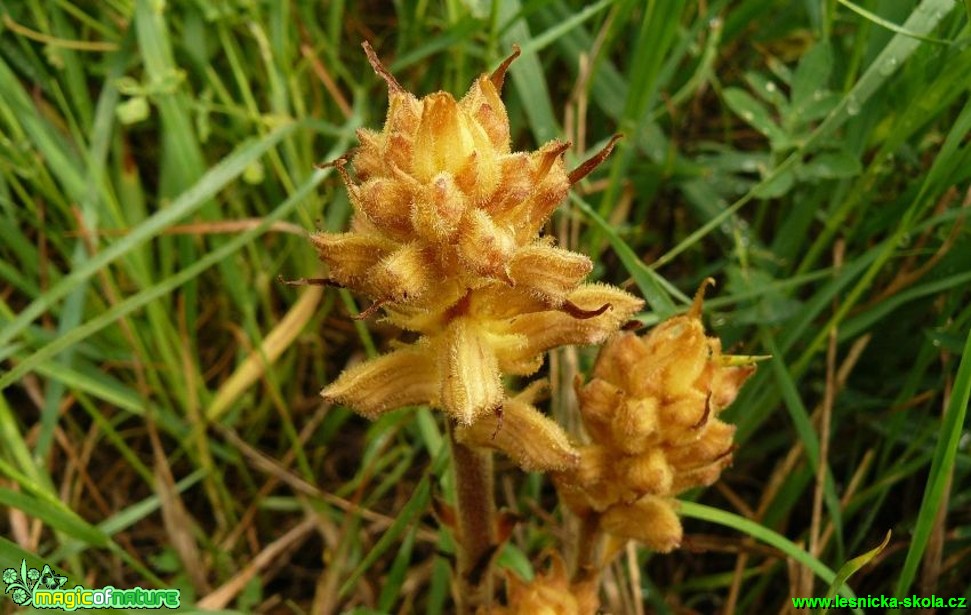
column 23, row 583
column 44, row 589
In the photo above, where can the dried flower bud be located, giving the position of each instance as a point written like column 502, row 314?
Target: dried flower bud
column 651, row 409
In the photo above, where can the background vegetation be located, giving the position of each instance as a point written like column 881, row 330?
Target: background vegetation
column 160, row 424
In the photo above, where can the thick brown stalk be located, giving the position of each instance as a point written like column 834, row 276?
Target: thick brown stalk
column 475, row 509
column 589, row 540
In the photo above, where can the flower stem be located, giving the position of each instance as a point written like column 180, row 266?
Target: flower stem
column 588, row 544
column 476, row 519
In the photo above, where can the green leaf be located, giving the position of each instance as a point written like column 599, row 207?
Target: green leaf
column 757, row 116
column 812, row 75
column 512, row 558
column 850, row 567
column 767, row 90
column 832, row 165
column 818, row 106
column 776, row 186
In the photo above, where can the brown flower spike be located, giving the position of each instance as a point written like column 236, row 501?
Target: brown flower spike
column 651, row 411
column 445, row 240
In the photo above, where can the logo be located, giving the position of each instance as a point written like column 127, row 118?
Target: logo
column 44, row 589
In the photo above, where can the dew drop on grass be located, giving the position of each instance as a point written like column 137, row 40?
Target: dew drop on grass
column 770, row 87
column 749, row 165
column 748, row 116
column 818, row 95
column 888, row 66
column 852, row 105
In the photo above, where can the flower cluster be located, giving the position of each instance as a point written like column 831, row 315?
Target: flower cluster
column 552, row 592
column 651, row 411
column 446, row 241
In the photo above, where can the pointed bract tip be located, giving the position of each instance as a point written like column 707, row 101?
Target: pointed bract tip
column 742, row 360
column 595, row 161
column 341, row 165
column 370, row 311
column 498, row 76
column 337, row 163
column 698, row 301
column 379, row 68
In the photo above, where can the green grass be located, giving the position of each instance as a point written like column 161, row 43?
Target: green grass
column 159, row 426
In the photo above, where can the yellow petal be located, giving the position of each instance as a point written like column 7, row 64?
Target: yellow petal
column 549, row 593
column 551, row 186
column 548, row 271
column 403, row 275
column 404, row 114
column 470, row 383
column 484, row 104
column 484, row 246
column 546, row 330
column 437, row 211
column 369, row 159
column 617, row 359
column 635, row 425
column 535, row 442
column 651, row 520
column 679, row 347
column 713, row 441
column 478, row 175
column 649, row 473
column 351, row 255
column 443, row 140
column 402, row 378
column 498, row 301
column 386, row 203
column 685, row 413
column 700, row 477
column 514, row 186
column 599, row 401
column 399, row 152
column 726, row 383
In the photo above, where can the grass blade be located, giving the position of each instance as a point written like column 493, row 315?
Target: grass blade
column 941, row 469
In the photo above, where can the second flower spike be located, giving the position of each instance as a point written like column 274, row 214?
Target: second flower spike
column 651, row 410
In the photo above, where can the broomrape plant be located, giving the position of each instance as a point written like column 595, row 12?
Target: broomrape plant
column 446, row 241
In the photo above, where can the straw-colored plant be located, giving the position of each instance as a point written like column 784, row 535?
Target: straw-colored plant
column 446, row 242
